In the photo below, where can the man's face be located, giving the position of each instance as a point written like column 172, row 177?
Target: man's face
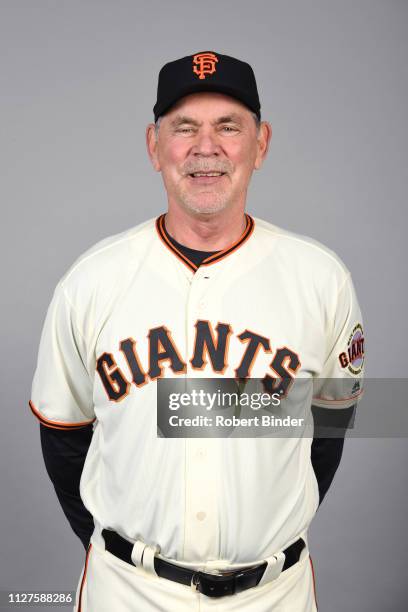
column 207, row 133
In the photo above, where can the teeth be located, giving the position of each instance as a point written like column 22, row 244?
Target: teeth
column 207, row 173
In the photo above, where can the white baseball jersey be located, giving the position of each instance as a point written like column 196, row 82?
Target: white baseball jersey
column 133, row 309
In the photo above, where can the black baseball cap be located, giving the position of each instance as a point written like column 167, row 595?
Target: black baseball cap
column 206, row 71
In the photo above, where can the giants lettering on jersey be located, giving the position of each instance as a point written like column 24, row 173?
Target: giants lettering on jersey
column 208, row 347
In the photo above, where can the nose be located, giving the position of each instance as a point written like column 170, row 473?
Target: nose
column 206, row 144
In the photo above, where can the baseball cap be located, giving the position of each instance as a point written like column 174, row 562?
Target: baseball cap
column 206, row 71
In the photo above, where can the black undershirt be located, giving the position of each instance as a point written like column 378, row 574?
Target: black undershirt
column 65, row 452
column 197, row 257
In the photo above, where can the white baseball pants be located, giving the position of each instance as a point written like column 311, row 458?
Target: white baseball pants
column 109, row 584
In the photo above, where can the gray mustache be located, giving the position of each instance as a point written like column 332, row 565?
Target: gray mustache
column 192, row 171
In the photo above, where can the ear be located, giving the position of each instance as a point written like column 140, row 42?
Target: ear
column 151, row 145
column 263, row 142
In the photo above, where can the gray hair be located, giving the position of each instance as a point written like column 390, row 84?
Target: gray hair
column 156, row 126
column 254, row 115
column 257, row 122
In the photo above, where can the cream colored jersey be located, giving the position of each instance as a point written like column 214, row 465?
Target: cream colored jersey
column 133, row 309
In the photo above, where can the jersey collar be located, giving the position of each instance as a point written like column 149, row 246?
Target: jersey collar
column 249, row 227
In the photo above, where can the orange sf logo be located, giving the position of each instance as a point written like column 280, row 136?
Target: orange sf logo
column 204, row 63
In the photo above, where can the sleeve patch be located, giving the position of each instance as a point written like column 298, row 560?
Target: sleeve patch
column 352, row 357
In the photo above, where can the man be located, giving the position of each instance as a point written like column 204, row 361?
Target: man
column 205, row 290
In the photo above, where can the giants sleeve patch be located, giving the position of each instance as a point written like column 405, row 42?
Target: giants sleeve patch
column 352, row 357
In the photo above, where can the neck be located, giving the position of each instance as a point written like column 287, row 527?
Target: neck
column 206, row 232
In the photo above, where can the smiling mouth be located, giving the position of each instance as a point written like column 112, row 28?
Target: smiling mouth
column 207, row 173
column 206, row 177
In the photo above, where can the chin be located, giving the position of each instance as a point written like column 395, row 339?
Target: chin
column 204, row 205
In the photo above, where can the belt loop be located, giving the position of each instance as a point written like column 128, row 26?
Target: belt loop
column 273, row 569
column 137, row 552
column 148, row 558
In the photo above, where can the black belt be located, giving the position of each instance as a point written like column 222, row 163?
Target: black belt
column 212, row 585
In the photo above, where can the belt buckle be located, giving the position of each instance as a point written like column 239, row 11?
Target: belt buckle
column 214, row 584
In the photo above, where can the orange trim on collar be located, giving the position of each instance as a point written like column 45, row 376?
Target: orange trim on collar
column 170, row 245
column 250, row 224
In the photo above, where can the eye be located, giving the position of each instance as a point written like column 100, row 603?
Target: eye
column 229, row 127
column 184, row 130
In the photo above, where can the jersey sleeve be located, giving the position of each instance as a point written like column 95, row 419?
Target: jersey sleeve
column 340, row 383
column 62, row 387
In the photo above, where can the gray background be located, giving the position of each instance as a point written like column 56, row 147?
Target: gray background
column 78, row 83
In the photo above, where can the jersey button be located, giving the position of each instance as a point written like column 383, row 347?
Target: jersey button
column 201, row 453
column 201, row 516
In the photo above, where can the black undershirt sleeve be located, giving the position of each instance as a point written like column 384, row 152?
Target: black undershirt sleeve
column 325, row 456
column 326, row 452
column 64, row 455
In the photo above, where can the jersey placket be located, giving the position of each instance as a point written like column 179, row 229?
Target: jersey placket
column 202, row 457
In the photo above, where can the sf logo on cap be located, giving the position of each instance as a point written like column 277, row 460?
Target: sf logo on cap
column 204, row 63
